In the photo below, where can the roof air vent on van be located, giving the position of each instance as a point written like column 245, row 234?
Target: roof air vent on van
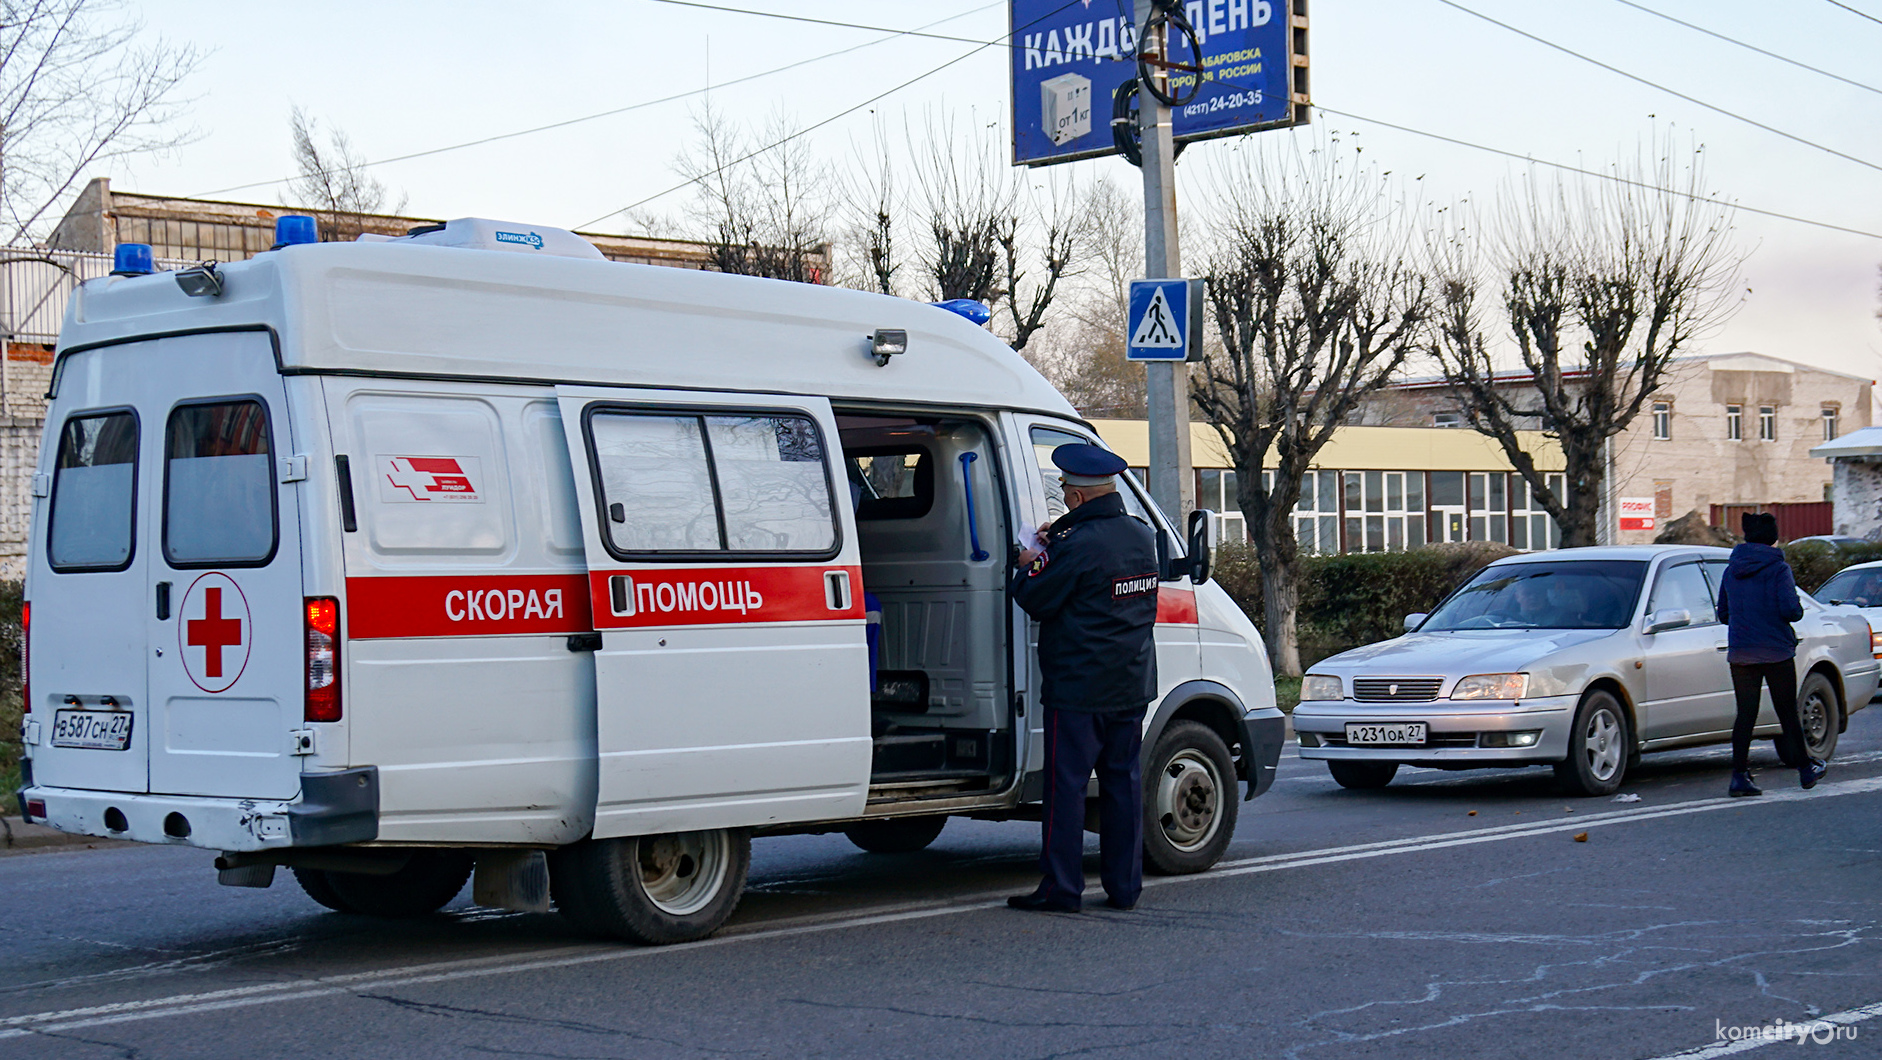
column 477, row 233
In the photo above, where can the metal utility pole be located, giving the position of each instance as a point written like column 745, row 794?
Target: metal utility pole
column 1166, row 383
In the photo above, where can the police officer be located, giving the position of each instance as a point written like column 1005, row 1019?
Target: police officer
column 1092, row 584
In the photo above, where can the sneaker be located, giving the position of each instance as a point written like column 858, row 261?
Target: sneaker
column 1742, row 784
column 1812, row 772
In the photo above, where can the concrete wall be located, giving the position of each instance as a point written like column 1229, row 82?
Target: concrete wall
column 1858, row 498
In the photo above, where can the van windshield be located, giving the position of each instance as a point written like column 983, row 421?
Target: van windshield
column 1584, row 594
column 94, row 494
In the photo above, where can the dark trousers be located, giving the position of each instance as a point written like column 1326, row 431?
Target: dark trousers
column 1076, row 742
column 1746, row 680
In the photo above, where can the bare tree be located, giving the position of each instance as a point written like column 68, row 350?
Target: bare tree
column 1602, row 288
column 766, row 198
column 76, row 90
column 1084, row 354
column 332, row 181
column 1318, row 301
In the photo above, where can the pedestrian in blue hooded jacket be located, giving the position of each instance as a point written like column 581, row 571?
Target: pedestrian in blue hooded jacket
column 1758, row 602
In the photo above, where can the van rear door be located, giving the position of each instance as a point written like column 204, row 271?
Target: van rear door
column 224, row 554
column 727, row 588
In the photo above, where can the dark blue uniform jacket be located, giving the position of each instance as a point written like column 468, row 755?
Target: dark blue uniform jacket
column 1758, row 602
column 1094, row 592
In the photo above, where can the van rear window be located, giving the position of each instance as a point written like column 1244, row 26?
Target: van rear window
column 94, row 494
column 219, row 507
column 692, row 484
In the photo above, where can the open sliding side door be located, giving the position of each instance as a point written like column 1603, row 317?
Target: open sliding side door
column 732, row 677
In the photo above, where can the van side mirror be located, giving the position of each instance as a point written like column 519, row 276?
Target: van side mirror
column 1414, row 620
column 1674, row 618
column 1204, row 533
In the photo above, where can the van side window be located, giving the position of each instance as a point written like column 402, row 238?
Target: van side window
column 1044, row 440
column 891, row 483
column 704, row 484
column 218, row 486
column 94, row 494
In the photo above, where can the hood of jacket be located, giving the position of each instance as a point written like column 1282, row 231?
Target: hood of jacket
column 1751, row 559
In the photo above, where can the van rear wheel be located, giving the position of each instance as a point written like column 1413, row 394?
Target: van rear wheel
column 426, row 884
column 655, row 889
column 897, row 835
column 314, row 882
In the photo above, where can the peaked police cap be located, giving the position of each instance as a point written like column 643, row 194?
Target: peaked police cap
column 1087, row 465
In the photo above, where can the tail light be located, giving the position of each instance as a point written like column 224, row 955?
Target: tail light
column 26, row 657
column 323, row 659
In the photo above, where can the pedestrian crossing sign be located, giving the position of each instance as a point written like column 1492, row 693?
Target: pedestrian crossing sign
column 1165, row 322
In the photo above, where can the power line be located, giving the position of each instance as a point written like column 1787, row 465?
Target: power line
column 894, row 34
column 980, row 47
column 1853, row 11
column 1742, row 44
column 828, row 22
column 1595, row 173
column 1669, row 91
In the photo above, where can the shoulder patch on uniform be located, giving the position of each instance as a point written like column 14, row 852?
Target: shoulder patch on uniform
column 1038, row 564
column 1135, row 585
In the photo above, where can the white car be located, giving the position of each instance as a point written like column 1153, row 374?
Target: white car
column 1859, row 588
column 1580, row 659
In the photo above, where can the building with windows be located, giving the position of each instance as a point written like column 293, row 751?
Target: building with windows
column 1727, row 432
column 1378, row 489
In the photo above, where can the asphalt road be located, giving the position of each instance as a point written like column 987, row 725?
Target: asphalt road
column 1342, row 925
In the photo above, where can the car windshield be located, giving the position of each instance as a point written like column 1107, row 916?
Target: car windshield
column 1863, row 588
column 1582, row 594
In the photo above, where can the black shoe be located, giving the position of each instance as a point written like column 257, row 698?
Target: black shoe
column 1742, row 785
column 1812, row 772
column 1038, row 903
column 1115, row 904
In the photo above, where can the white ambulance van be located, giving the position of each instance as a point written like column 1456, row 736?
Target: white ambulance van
column 471, row 551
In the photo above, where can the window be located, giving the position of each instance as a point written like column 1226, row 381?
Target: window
column 1662, row 420
column 1530, row 525
column 1385, row 510
column 891, row 483
column 218, row 486
column 94, row 494
column 1489, row 506
column 1767, row 423
column 1683, row 588
column 1317, row 514
column 1581, row 594
column 1829, row 422
column 730, row 483
column 1735, row 423
column 1044, row 440
column 1447, row 419
column 1216, row 489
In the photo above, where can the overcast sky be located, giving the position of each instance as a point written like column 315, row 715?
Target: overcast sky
column 401, row 76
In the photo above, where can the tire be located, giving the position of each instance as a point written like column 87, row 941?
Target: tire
column 1821, row 714
column 1190, row 800
column 425, row 885
column 896, row 835
column 1362, row 776
column 1599, row 747
column 314, row 882
column 654, row 890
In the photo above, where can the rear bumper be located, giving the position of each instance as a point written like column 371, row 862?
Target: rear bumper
column 333, row 808
column 1264, row 734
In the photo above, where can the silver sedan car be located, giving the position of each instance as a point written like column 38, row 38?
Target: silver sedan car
column 1580, row 659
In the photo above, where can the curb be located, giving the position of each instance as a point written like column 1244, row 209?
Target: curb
column 19, row 837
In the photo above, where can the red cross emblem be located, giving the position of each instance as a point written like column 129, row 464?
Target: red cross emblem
column 214, row 630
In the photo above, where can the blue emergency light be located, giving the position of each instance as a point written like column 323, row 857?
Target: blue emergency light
column 967, row 307
column 131, row 259
column 294, row 228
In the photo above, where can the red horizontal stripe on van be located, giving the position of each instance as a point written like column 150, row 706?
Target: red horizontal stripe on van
column 1176, row 606
column 665, row 596
column 450, row 605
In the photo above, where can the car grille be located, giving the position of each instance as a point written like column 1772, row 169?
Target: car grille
column 1396, row 689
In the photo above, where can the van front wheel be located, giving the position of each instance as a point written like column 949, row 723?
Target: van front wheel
column 654, row 889
column 1189, row 800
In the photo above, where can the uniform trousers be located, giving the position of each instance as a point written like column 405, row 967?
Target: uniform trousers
column 1076, row 743
column 1746, row 682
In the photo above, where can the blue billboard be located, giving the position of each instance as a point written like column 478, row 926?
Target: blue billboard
column 1070, row 56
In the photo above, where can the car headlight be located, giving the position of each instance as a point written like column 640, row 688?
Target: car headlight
column 1491, row 686
column 1320, row 686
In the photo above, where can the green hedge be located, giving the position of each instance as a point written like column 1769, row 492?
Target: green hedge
column 1814, row 561
column 11, row 593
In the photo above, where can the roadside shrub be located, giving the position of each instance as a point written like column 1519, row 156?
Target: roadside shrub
column 1360, row 598
column 1812, row 562
column 11, row 593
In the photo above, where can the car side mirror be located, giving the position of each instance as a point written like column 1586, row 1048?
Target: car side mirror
column 1661, row 621
column 1414, row 620
column 1204, row 531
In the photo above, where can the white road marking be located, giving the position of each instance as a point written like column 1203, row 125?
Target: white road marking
column 571, row 956
column 1823, row 1028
